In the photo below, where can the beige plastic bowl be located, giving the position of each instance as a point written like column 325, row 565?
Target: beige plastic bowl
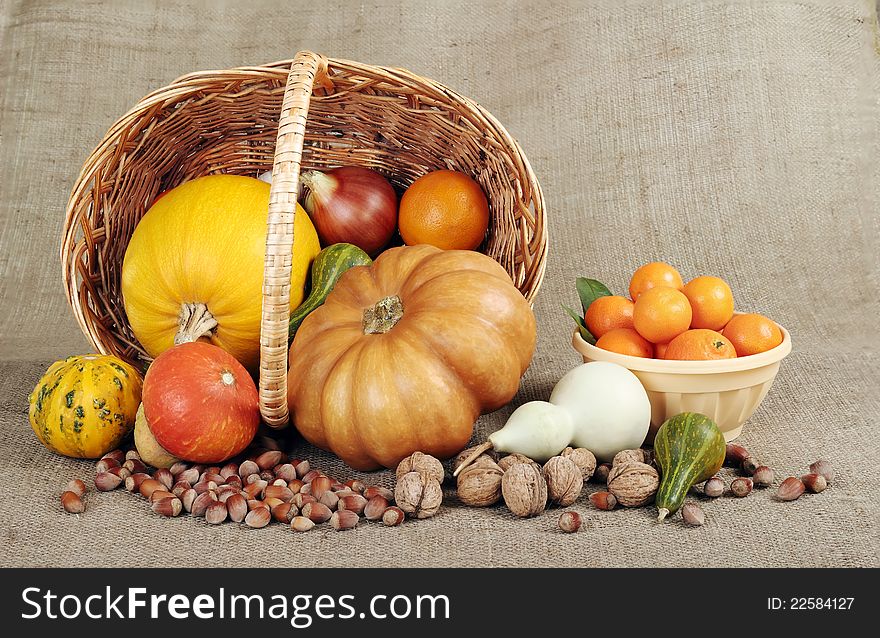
column 729, row 391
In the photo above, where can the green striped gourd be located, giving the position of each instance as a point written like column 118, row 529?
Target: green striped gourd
column 689, row 448
column 84, row 406
column 327, row 268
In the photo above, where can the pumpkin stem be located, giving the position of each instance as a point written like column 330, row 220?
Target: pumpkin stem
column 662, row 513
column 382, row 317
column 194, row 322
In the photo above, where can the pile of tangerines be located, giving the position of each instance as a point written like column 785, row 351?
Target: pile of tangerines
column 665, row 318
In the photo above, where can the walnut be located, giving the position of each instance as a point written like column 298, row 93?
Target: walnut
column 510, row 459
column 418, row 494
column 483, row 460
column 629, row 456
column 524, row 489
column 425, row 463
column 564, row 480
column 583, row 458
column 480, row 486
column 633, row 484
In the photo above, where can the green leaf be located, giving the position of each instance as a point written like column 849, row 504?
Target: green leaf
column 589, row 290
column 582, row 327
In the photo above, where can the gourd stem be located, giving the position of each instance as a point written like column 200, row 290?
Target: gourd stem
column 194, row 322
column 480, row 449
column 662, row 512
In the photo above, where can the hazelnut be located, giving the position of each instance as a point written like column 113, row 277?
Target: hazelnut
column 603, row 500
column 216, row 513
column 791, row 489
column 301, row 524
column 583, row 458
column 479, row 485
column 375, row 508
column 77, row 487
column 741, row 487
column 692, row 515
column 422, row 463
column 375, row 490
column 564, row 480
column 824, row 468
column 569, row 522
column 353, row 502
column 601, row 473
column 750, row 465
column 236, row 507
column 814, row 482
column 258, row 517
column 524, row 489
column 418, row 494
column 633, row 484
column 714, row 487
column 343, row 520
column 71, row 502
column 393, row 516
column 763, row 476
column 106, row 482
column 735, row 455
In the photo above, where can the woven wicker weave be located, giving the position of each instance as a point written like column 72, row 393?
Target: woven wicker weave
column 332, row 113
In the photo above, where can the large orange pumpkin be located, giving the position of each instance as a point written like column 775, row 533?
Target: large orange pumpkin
column 405, row 354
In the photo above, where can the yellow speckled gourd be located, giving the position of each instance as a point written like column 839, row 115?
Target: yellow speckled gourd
column 84, row 406
column 193, row 268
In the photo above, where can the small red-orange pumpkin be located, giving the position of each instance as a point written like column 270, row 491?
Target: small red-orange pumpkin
column 201, row 403
column 405, row 354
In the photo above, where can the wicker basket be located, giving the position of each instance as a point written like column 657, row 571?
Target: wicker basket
column 332, row 113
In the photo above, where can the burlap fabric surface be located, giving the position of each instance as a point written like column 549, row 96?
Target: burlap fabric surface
column 733, row 138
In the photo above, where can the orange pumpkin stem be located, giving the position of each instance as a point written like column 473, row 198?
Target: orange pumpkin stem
column 382, row 317
column 194, row 322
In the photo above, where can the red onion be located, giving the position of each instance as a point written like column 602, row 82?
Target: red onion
column 353, row 205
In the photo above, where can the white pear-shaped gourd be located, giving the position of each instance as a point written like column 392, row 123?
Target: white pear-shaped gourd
column 608, row 405
column 600, row 406
column 537, row 429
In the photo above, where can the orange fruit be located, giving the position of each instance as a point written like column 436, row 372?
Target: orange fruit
column 699, row 345
column 653, row 275
column 660, row 350
column 752, row 333
column 625, row 341
column 661, row 314
column 446, row 209
column 711, row 302
column 608, row 313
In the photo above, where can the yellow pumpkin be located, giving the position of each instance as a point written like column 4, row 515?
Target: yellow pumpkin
column 193, row 268
column 84, row 406
column 405, row 354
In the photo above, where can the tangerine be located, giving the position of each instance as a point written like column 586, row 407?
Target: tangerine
column 607, row 313
column 700, row 345
column 661, row 314
column 660, row 350
column 752, row 333
column 625, row 341
column 654, row 275
column 711, row 302
column 446, row 209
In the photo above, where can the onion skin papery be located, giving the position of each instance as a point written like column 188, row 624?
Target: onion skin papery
column 351, row 205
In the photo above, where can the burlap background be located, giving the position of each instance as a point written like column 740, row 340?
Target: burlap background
column 738, row 138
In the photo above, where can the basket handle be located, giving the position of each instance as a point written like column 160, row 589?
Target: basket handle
column 279, row 236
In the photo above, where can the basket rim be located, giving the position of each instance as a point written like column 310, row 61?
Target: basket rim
column 534, row 239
